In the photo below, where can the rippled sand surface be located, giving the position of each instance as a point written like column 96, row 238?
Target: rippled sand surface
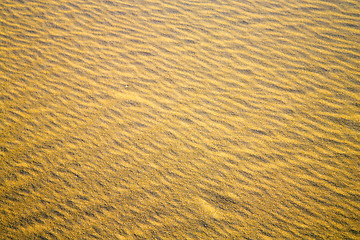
column 163, row 119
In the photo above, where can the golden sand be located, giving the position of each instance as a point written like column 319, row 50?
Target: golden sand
column 163, row 119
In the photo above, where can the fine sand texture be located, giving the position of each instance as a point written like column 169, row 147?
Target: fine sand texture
column 179, row 119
